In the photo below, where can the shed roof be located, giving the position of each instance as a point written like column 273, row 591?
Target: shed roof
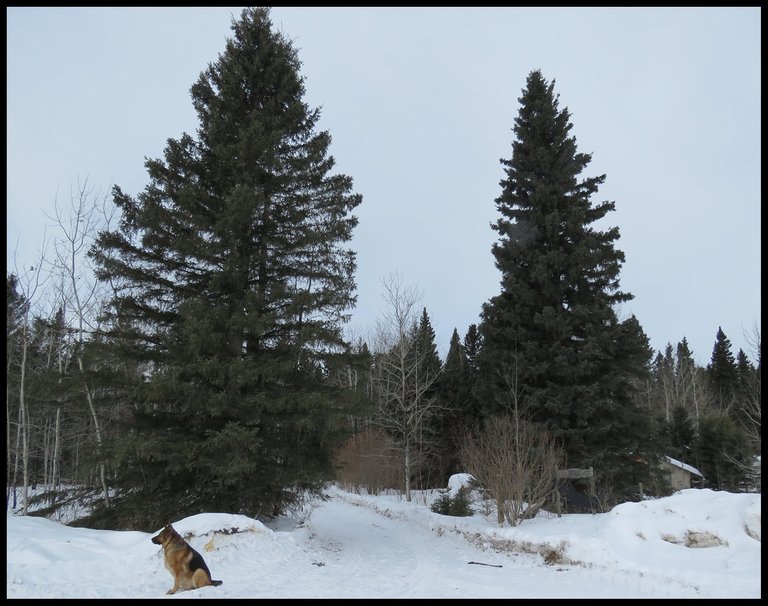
column 685, row 466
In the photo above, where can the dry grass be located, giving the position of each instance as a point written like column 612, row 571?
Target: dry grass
column 369, row 463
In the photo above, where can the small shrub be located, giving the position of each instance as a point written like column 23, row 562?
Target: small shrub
column 442, row 503
column 552, row 556
column 460, row 504
column 457, row 505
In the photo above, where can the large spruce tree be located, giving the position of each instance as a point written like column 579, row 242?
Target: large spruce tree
column 233, row 285
column 429, row 364
column 723, row 373
column 551, row 338
column 453, row 393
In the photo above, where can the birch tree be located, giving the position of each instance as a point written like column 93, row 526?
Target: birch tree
column 400, row 380
column 30, row 282
column 79, row 290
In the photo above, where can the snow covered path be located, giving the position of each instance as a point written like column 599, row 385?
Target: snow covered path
column 371, row 554
column 349, row 547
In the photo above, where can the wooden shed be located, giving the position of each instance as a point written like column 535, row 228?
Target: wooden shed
column 681, row 475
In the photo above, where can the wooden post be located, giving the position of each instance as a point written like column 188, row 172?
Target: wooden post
column 574, row 474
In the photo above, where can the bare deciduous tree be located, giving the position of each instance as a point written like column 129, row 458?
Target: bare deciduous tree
column 79, row 288
column 514, row 460
column 30, row 282
column 750, row 418
column 399, row 381
column 682, row 383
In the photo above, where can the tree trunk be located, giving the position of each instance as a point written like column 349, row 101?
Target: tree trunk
column 24, row 422
column 407, row 470
column 15, row 479
column 96, row 428
column 56, row 446
column 8, row 451
column 46, row 451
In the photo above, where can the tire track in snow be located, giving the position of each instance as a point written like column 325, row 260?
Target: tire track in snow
column 374, row 559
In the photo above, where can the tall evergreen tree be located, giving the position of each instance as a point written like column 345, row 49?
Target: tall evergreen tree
column 426, row 351
column 747, row 391
column 722, row 452
column 744, row 368
column 428, row 366
column 453, row 395
column 551, row 338
column 681, row 434
column 723, row 373
column 235, row 283
column 452, row 383
column 684, row 362
column 472, row 345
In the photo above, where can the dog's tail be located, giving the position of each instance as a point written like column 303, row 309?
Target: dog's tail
column 216, row 583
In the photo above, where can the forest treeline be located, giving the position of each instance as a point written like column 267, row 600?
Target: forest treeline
column 183, row 350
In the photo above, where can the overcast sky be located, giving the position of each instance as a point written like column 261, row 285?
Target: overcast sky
column 420, row 103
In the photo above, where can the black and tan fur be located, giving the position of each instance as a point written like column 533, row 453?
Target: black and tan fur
column 185, row 564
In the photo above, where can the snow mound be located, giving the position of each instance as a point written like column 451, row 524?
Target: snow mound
column 751, row 519
column 203, row 524
column 681, row 519
column 459, row 480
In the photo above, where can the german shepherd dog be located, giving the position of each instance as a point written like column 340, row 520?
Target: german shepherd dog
column 184, row 563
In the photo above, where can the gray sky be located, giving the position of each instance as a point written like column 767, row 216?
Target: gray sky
column 420, row 103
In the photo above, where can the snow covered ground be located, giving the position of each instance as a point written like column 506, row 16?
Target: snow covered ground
column 695, row 543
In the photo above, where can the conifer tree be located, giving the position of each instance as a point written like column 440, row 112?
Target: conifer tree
column 428, row 365
column 449, row 425
column 722, row 452
column 234, row 283
column 426, row 351
column 452, row 382
column 722, row 372
column 684, row 363
column 681, row 434
column 472, row 344
column 552, row 338
column 747, row 389
column 744, row 368
column 458, row 409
